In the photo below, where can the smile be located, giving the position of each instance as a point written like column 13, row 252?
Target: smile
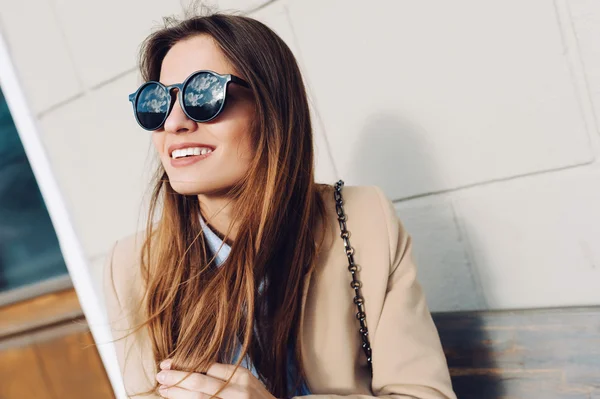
column 190, row 151
column 186, row 160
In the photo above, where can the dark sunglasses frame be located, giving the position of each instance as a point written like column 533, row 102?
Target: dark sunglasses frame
column 227, row 78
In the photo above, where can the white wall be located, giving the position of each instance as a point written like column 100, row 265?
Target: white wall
column 478, row 118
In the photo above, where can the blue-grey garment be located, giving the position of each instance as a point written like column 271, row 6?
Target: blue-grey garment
column 221, row 249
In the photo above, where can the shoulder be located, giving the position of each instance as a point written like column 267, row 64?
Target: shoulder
column 127, row 249
column 366, row 197
column 371, row 219
column 122, row 276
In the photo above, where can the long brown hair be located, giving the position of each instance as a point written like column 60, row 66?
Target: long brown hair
column 195, row 313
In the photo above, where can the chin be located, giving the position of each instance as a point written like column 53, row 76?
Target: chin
column 192, row 188
column 197, row 188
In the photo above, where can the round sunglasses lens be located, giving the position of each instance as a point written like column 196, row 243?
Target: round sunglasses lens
column 203, row 96
column 152, row 105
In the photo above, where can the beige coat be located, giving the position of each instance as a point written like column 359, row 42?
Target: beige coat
column 408, row 361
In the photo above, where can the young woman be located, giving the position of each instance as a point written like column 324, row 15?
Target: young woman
column 244, row 283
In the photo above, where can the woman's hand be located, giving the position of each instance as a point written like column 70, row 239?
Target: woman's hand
column 243, row 385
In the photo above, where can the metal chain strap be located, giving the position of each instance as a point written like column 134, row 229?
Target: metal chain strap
column 353, row 269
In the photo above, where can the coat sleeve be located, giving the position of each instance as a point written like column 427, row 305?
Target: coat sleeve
column 119, row 275
column 408, row 359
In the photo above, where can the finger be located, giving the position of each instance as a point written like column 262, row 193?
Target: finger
column 195, row 382
column 224, row 371
column 166, row 364
column 200, row 383
column 180, row 393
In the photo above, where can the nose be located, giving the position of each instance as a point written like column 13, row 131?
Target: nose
column 178, row 121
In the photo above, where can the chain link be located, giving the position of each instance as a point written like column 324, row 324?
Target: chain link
column 353, row 269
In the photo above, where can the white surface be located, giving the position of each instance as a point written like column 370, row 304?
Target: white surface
column 38, row 51
column 535, row 241
column 470, row 103
column 104, row 36
column 241, row 5
column 68, row 240
column 468, row 91
column 276, row 16
column 441, row 255
column 489, row 103
column 104, row 160
column 586, row 21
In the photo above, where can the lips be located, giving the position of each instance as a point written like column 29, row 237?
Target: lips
column 179, row 146
column 190, row 160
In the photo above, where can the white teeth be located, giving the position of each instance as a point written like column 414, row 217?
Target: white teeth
column 190, row 151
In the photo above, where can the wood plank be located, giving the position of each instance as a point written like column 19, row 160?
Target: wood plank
column 551, row 353
column 39, row 312
column 44, row 334
column 74, row 367
column 22, row 375
column 47, row 351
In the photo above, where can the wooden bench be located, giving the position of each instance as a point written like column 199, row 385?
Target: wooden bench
column 524, row 354
column 47, row 351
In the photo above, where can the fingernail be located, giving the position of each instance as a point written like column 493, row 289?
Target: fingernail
column 161, row 376
column 165, row 364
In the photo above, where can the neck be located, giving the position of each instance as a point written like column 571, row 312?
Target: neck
column 216, row 211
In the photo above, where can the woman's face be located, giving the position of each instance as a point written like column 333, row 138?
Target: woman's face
column 228, row 133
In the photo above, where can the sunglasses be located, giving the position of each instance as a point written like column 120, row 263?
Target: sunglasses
column 202, row 97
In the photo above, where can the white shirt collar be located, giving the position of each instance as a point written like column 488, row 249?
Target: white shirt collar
column 214, row 243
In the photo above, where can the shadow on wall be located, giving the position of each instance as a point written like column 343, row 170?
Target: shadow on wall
column 392, row 148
